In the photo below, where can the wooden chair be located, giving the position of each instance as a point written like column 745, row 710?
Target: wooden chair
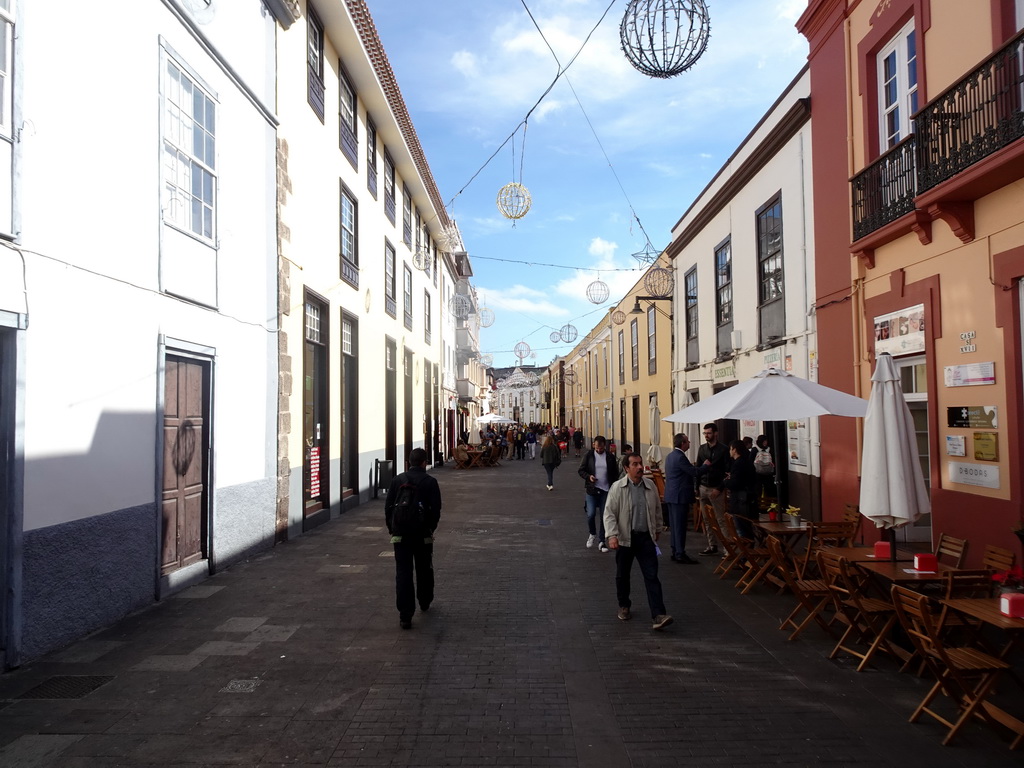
column 757, row 560
column 868, row 619
column 461, row 458
column 492, row 460
column 731, row 557
column 812, row 595
column 964, row 583
column 955, row 550
column 851, row 514
column 998, row 559
column 832, row 534
column 966, row 675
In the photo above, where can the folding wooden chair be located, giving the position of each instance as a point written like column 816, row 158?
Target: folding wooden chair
column 966, row 675
column 964, row 583
column 757, row 560
column 731, row 557
column 851, row 514
column 831, row 534
column 812, row 595
column 998, row 559
column 461, row 458
column 955, row 550
column 868, row 619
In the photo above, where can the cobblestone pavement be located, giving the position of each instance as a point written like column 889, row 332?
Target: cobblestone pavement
column 296, row 658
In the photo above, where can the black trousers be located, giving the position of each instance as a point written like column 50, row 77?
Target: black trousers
column 643, row 550
column 413, row 558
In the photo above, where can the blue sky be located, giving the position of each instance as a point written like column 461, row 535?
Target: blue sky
column 470, row 70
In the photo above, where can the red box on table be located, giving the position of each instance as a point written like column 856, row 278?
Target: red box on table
column 1012, row 604
column 882, row 550
column 926, row 562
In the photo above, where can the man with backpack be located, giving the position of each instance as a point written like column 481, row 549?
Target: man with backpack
column 412, row 510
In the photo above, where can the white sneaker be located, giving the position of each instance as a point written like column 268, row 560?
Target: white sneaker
column 604, row 548
column 591, row 541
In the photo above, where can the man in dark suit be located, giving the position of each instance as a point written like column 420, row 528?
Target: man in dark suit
column 680, row 476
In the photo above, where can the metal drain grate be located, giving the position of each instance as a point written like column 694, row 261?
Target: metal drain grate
column 67, row 687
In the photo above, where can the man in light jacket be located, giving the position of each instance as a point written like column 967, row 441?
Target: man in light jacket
column 632, row 522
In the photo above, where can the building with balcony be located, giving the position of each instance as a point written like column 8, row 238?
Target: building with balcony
column 919, row 242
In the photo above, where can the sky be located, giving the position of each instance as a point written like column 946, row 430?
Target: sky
column 612, row 158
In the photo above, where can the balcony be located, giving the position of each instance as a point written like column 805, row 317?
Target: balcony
column 467, row 390
column 966, row 145
column 466, row 339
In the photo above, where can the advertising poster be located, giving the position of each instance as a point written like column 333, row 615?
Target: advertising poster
column 970, row 375
column 799, row 443
column 900, row 333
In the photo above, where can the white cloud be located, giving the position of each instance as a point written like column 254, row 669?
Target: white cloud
column 518, row 298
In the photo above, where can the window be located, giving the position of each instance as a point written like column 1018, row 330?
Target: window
column 690, row 284
column 634, row 344
column 349, row 238
column 771, row 307
column 434, row 249
column 897, row 91
column 348, row 139
column 406, row 216
column 389, row 186
column 389, row 279
column 723, row 283
column 426, row 316
column 652, row 341
column 622, row 359
column 315, row 62
column 407, row 295
column 371, row 157
column 6, row 67
column 189, row 154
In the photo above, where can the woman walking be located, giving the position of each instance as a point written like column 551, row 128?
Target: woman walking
column 550, row 457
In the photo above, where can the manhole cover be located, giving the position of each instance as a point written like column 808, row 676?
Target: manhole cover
column 67, row 687
column 240, row 686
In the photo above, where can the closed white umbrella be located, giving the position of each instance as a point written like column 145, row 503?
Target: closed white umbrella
column 772, row 395
column 654, row 451
column 892, row 490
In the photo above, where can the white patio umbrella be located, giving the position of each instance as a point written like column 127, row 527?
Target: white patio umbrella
column 654, row 451
column 892, row 490
column 772, row 395
column 494, row 418
column 692, row 430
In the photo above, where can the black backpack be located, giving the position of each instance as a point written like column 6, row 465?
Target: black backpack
column 407, row 516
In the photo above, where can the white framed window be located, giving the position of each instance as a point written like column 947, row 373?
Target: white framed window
column 1019, row 6
column 6, row 66
column 723, row 283
column 897, row 87
column 190, row 153
column 348, row 227
column 652, row 341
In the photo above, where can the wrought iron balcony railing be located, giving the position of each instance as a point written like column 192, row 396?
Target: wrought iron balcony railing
column 977, row 116
column 884, row 190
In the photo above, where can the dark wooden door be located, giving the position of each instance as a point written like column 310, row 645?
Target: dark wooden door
column 185, row 495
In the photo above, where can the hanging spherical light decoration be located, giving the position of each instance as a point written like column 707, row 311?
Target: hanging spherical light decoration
column 555, row 337
column 448, row 239
column 486, row 359
column 513, row 200
column 522, row 349
column 568, row 333
column 618, row 317
column 659, row 282
column 597, row 292
column 421, row 258
column 486, row 317
column 569, row 377
column 460, row 305
column 663, row 38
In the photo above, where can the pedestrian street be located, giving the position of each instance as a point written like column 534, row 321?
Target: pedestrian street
column 296, row 657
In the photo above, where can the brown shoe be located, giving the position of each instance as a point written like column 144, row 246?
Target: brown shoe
column 660, row 622
column 624, row 614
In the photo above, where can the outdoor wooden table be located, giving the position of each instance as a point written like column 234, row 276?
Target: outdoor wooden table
column 474, row 458
column 867, row 554
column 903, row 574
column 787, row 534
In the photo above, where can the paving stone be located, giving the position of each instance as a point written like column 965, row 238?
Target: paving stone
column 180, row 663
column 242, row 624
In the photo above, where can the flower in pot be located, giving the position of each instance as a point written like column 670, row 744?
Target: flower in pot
column 1010, row 580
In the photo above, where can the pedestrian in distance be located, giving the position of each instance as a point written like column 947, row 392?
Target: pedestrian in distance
column 741, row 481
column 680, row 476
column 712, row 485
column 412, row 510
column 531, row 443
column 577, row 441
column 632, row 523
column 598, row 470
column 550, row 457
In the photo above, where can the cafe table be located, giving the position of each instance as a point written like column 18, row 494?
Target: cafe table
column 867, row 554
column 475, row 456
column 903, row 573
column 787, row 533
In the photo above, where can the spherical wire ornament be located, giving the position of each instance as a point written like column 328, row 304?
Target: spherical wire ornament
column 598, row 292
column 421, row 258
column 460, row 305
column 521, row 350
column 513, row 201
column 448, row 239
column 486, row 317
column 618, row 317
column 486, row 359
column 568, row 333
column 555, row 337
column 569, row 377
column 659, row 282
column 663, row 38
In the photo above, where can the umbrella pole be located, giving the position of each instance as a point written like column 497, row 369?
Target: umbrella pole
column 892, row 544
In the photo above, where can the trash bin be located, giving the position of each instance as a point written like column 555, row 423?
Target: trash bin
column 385, row 471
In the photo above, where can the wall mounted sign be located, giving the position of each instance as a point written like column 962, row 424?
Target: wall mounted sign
column 986, row 446
column 900, row 333
column 799, row 442
column 773, row 359
column 983, row 475
column 970, row 375
column 972, row 417
column 725, row 372
column 967, row 337
column 956, row 445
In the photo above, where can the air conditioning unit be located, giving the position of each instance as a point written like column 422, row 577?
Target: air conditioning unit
column 737, row 339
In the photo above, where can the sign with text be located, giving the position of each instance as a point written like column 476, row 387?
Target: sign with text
column 900, row 333
column 972, row 417
column 970, row 375
column 956, row 445
column 983, row 475
column 986, row 446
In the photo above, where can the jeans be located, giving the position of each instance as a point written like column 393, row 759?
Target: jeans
column 678, row 519
column 595, row 513
column 643, row 551
column 551, row 473
column 533, row 450
column 409, row 557
column 739, row 506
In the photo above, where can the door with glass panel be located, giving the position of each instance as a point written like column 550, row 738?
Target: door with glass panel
column 914, row 383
